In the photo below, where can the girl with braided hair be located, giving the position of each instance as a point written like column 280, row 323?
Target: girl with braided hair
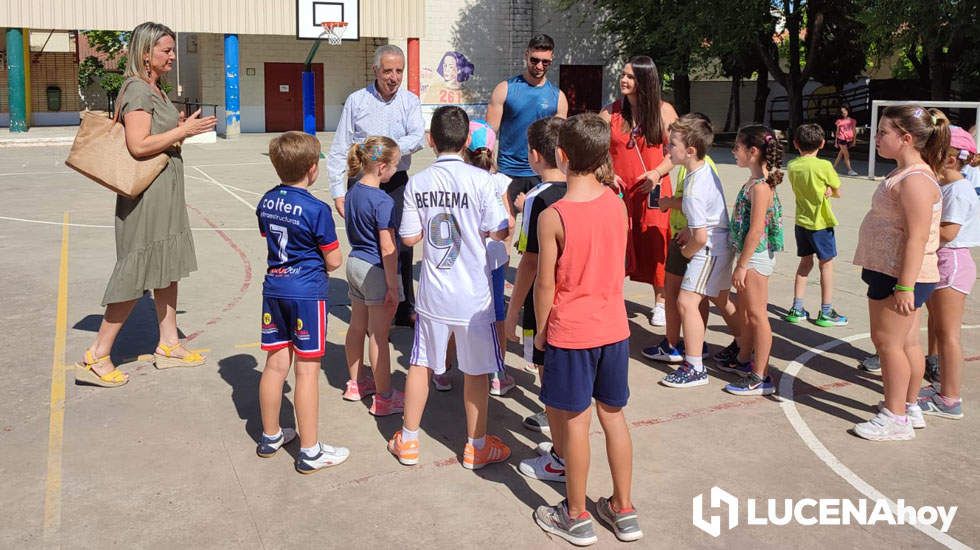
column 756, row 234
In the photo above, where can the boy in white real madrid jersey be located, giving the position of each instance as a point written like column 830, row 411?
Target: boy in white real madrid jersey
column 450, row 207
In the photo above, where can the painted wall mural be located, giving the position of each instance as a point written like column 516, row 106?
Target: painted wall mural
column 446, row 84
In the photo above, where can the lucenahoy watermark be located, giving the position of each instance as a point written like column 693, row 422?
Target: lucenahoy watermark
column 811, row 511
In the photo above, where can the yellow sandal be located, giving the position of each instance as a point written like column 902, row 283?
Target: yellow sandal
column 167, row 360
column 87, row 375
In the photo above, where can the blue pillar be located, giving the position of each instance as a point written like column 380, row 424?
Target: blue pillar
column 16, row 81
column 233, row 124
column 309, row 104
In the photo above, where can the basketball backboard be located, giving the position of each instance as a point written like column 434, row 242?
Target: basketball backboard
column 310, row 13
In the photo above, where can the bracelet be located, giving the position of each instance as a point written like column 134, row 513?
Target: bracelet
column 903, row 288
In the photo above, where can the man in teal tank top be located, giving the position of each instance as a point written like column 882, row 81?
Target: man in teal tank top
column 515, row 104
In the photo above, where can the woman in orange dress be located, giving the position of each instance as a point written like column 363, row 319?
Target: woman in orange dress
column 639, row 124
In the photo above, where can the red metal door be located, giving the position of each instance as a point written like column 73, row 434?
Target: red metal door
column 582, row 85
column 284, row 96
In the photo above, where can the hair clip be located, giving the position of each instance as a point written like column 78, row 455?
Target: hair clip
column 964, row 154
column 935, row 120
column 769, row 138
column 377, row 153
column 917, row 113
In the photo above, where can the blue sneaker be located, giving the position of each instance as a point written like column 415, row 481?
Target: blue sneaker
column 685, row 377
column 268, row 447
column 751, row 385
column 735, row 367
column 665, row 353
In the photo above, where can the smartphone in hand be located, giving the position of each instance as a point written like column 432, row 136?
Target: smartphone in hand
column 653, row 199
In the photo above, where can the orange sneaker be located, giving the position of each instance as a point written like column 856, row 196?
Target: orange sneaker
column 494, row 450
column 407, row 452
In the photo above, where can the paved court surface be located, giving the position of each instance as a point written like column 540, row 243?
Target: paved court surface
column 169, row 459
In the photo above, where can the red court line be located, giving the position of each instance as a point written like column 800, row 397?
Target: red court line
column 246, row 280
column 682, row 415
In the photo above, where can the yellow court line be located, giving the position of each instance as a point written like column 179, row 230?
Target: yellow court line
column 250, row 345
column 56, row 425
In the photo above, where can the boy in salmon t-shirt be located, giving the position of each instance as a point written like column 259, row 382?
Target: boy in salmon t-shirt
column 583, row 330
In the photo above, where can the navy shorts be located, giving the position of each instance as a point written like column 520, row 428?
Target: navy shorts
column 497, row 286
column 572, row 377
column 820, row 242
column 881, row 286
column 301, row 324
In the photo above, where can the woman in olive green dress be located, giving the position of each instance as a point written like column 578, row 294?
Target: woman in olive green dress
column 154, row 245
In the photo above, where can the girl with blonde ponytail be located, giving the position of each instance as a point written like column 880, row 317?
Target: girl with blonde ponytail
column 372, row 273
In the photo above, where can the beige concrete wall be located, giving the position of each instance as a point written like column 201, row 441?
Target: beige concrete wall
column 345, row 69
column 395, row 18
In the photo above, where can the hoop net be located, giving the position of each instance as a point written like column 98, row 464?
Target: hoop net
column 334, row 31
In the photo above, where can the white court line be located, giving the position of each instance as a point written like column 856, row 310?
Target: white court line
column 89, row 225
column 243, row 190
column 788, row 404
column 227, row 164
column 37, row 173
column 221, row 185
column 229, row 188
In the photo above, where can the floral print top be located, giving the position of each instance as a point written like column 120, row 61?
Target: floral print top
column 772, row 237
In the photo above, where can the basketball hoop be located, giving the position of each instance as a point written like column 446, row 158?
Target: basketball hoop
column 334, row 31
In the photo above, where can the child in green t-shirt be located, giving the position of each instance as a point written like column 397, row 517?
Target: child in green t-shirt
column 814, row 181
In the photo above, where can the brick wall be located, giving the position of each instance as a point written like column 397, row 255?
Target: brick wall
column 47, row 69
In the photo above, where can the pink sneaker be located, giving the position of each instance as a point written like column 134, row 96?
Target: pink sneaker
column 394, row 404
column 359, row 390
column 443, row 382
column 501, row 384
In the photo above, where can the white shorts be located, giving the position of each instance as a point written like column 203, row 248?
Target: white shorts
column 477, row 349
column 708, row 275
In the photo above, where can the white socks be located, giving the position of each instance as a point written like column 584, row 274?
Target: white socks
column 409, row 435
column 477, row 443
column 695, row 362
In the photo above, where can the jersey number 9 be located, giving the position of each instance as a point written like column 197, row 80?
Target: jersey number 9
column 444, row 234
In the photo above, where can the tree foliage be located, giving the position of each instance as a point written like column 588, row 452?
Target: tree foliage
column 938, row 38
column 92, row 70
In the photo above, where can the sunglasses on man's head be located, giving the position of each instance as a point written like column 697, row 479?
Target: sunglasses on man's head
column 538, row 61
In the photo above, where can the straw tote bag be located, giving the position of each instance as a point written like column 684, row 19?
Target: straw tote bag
column 100, row 153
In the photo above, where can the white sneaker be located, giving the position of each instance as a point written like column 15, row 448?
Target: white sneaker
column 913, row 411
column 544, row 448
column 544, row 467
column 885, row 427
column 328, row 456
column 659, row 316
column 851, row 173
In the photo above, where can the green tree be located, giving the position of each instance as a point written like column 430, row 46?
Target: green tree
column 670, row 32
column 939, row 38
column 92, row 70
column 795, row 15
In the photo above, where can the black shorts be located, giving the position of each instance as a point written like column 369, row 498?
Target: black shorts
column 881, row 286
column 676, row 263
column 518, row 185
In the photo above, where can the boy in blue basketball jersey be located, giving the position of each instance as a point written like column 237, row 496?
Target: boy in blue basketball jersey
column 303, row 247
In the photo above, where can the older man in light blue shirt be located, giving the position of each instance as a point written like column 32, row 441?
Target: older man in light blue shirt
column 381, row 109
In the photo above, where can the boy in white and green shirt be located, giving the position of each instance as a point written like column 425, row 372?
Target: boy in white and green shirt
column 814, row 181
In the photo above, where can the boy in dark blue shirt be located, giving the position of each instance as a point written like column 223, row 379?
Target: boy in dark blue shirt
column 303, row 247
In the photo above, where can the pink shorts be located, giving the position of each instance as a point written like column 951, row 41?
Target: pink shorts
column 957, row 270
